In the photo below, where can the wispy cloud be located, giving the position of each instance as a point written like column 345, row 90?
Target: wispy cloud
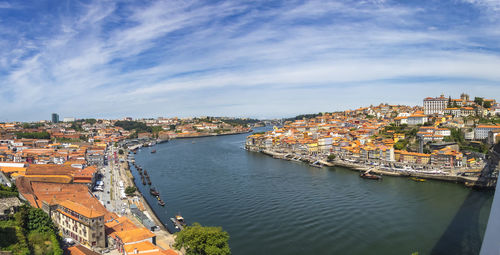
column 110, row 59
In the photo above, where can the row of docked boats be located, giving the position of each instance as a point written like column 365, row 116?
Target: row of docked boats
column 177, row 220
column 156, row 194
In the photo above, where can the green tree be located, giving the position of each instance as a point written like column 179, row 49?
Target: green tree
column 331, row 157
column 130, row 190
column 76, row 126
column 197, row 239
column 401, row 144
column 133, row 125
column 39, row 221
column 478, row 100
column 487, row 104
column 33, row 135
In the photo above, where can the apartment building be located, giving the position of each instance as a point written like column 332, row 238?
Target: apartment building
column 435, row 105
column 82, row 224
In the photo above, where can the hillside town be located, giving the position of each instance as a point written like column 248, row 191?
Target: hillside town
column 78, row 173
column 445, row 137
column 77, row 170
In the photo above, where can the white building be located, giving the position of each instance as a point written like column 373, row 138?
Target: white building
column 435, row 105
column 481, row 131
column 417, row 119
column 442, row 132
column 69, row 119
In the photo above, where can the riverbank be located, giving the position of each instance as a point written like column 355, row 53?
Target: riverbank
column 448, row 177
column 164, row 238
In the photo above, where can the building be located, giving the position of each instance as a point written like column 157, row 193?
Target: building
column 481, row 131
column 55, row 118
column 494, row 136
column 447, row 157
column 417, row 119
column 69, row 119
column 133, row 236
column 435, row 105
column 82, row 224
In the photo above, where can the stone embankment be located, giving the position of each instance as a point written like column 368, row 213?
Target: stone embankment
column 449, row 177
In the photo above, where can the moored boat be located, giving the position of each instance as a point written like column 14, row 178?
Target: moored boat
column 370, row 176
column 160, row 202
column 154, row 192
column 418, row 179
column 153, row 151
column 178, row 221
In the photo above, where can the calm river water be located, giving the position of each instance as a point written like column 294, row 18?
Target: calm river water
column 272, row 206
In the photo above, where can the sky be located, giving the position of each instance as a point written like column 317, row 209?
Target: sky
column 261, row 59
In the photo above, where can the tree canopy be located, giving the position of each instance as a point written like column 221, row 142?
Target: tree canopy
column 133, row 125
column 197, row 239
column 33, row 135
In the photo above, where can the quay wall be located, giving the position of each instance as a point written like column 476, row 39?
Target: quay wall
column 468, row 181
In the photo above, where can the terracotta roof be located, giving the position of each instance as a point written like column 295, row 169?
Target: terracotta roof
column 79, row 250
column 49, row 169
column 141, row 247
column 80, row 209
column 135, row 235
column 117, row 225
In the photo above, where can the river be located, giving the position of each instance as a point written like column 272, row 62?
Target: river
column 272, row 206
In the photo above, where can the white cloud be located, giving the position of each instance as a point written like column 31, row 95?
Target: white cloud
column 111, row 60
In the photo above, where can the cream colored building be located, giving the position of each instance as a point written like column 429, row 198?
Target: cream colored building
column 82, row 224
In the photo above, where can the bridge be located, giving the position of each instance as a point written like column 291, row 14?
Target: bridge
column 491, row 241
column 461, row 238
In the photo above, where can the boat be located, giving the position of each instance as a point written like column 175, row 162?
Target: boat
column 153, row 151
column 370, row 176
column 418, row 179
column 143, row 181
column 160, row 202
column 178, row 222
column 154, row 192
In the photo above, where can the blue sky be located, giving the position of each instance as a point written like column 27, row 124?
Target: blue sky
column 111, row 59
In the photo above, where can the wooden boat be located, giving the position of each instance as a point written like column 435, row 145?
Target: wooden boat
column 143, row 181
column 370, row 176
column 160, row 202
column 153, row 151
column 154, row 192
column 178, row 222
column 418, row 179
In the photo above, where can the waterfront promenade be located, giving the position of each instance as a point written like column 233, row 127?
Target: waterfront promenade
column 119, row 171
column 382, row 168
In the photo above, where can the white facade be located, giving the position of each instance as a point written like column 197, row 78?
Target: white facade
column 442, row 132
column 417, row 120
column 68, row 119
column 481, row 132
column 435, row 105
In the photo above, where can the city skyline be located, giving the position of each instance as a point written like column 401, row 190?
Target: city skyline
column 259, row 59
